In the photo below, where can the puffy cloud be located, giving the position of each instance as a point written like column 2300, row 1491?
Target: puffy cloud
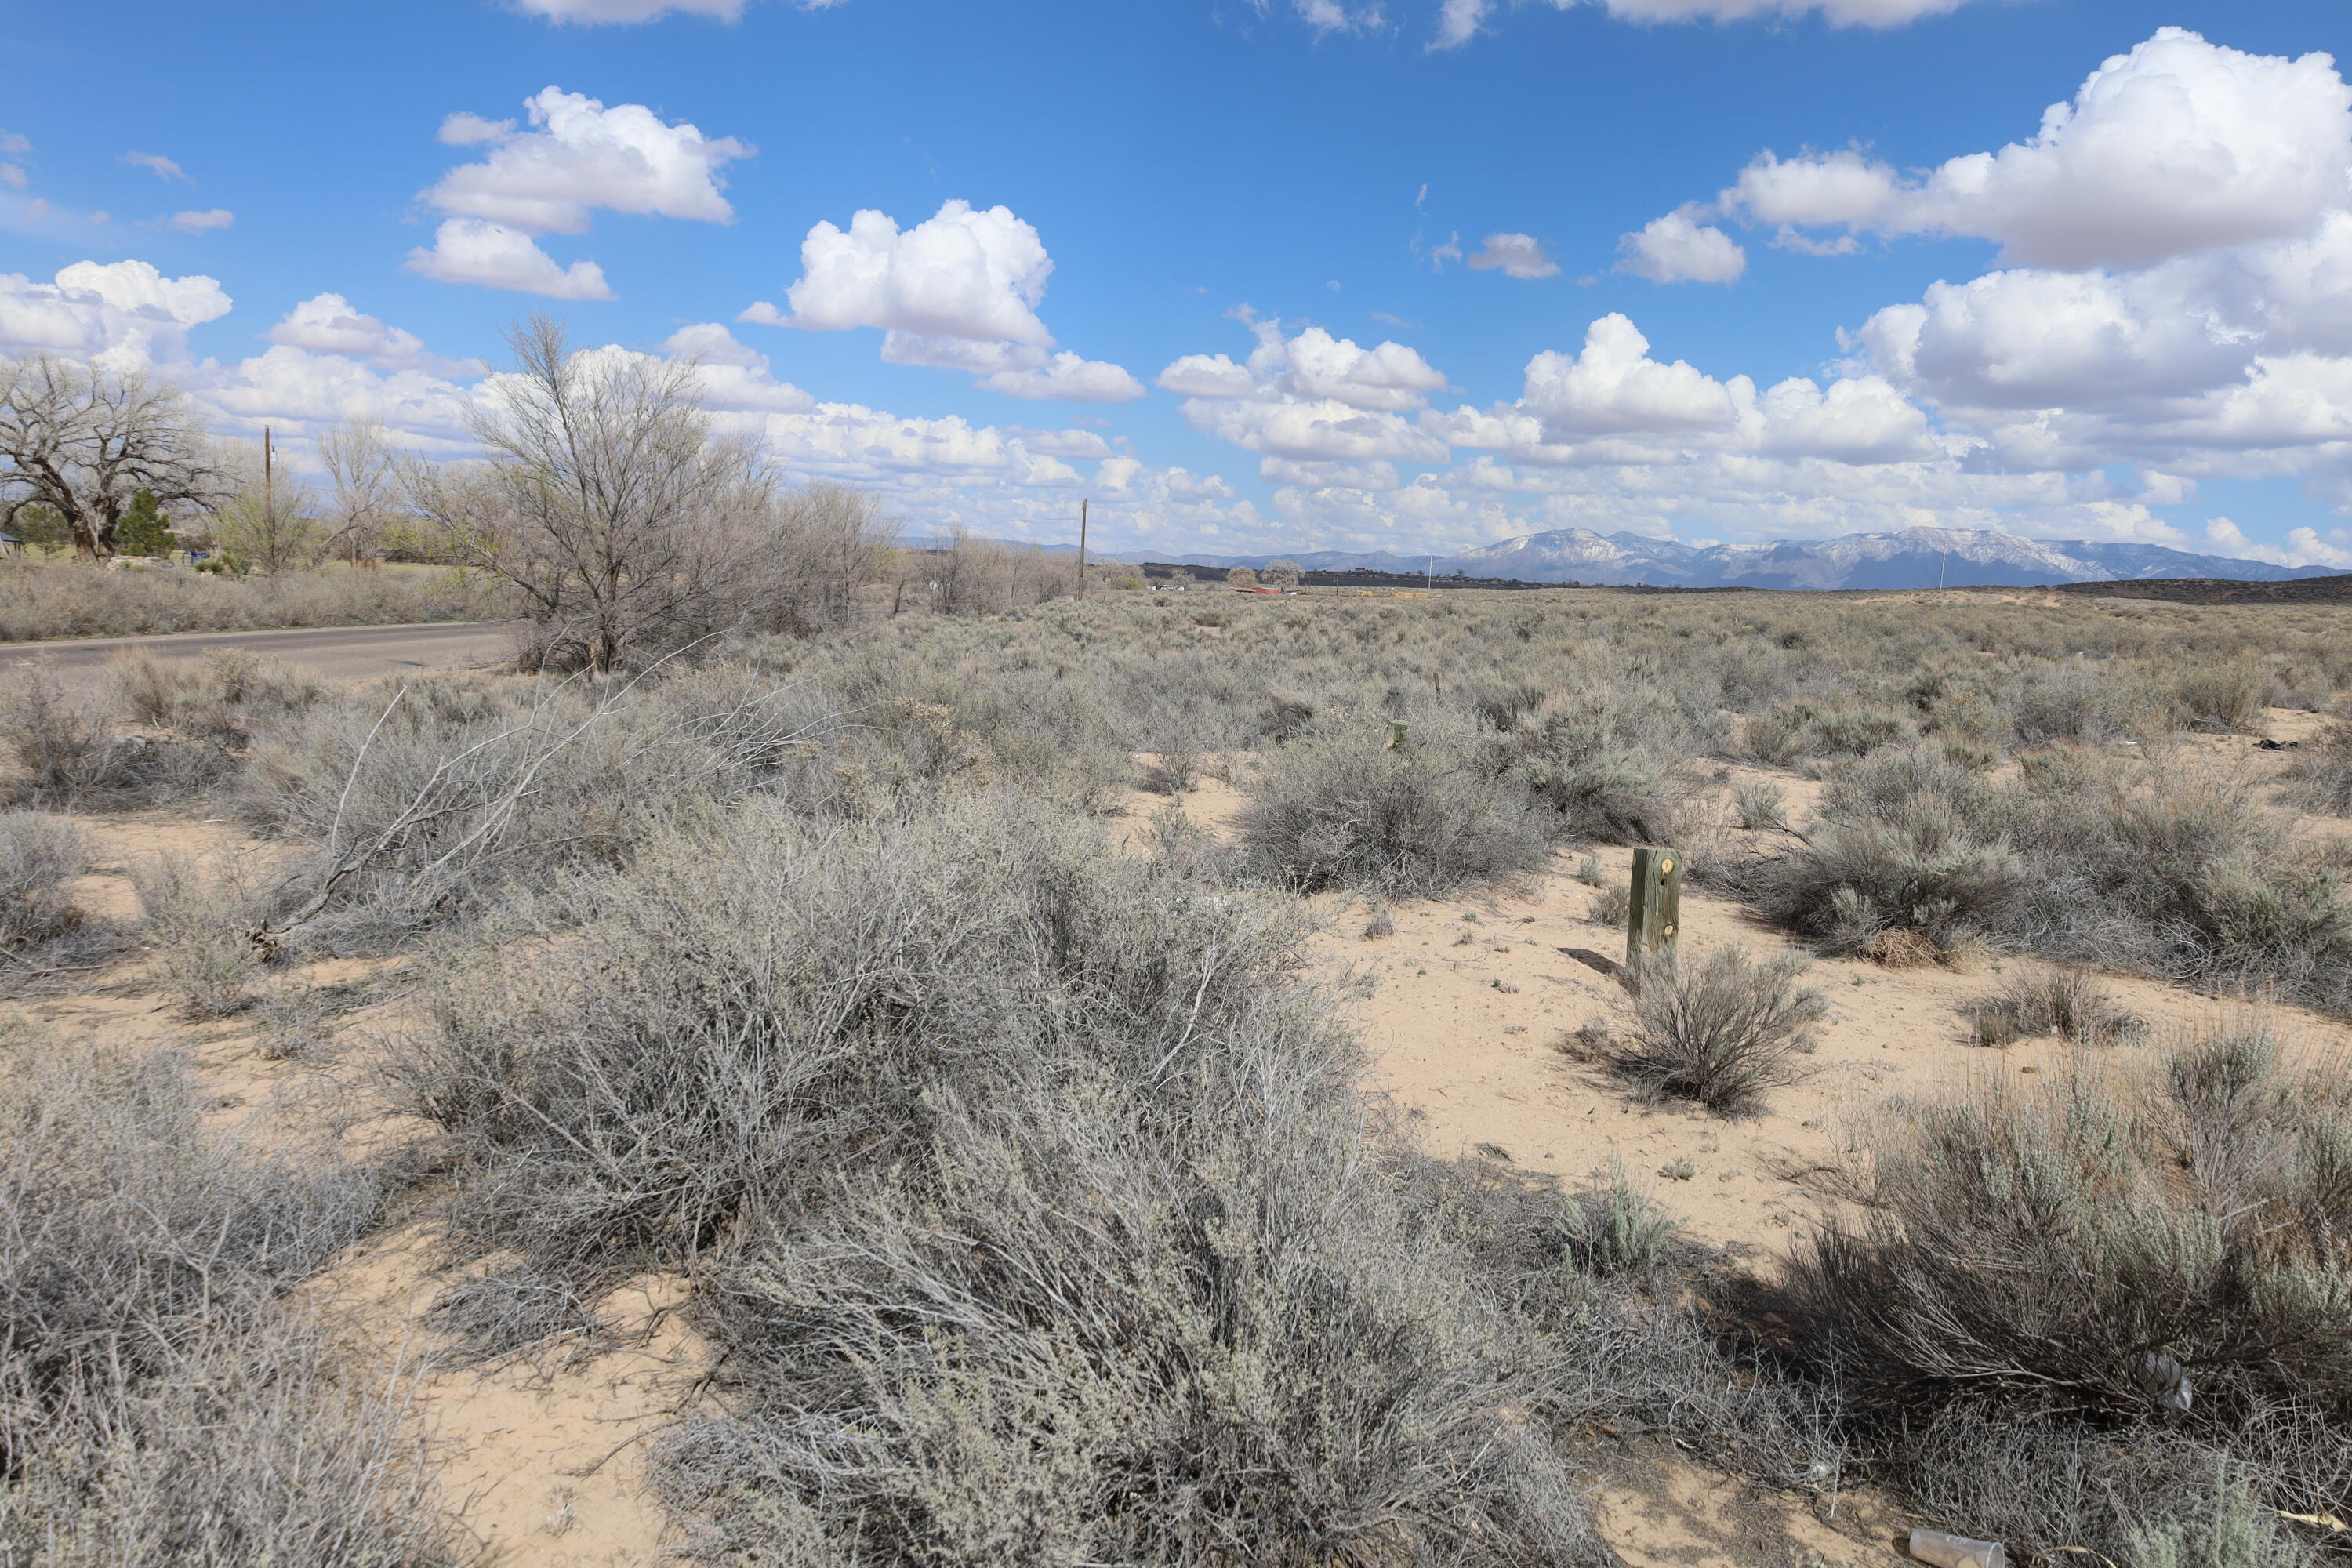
column 1858, row 419
column 1017, row 370
column 2179, row 146
column 1321, row 431
column 1209, row 375
column 1067, row 376
column 1613, row 387
column 963, row 273
column 1678, row 248
column 203, row 222
column 1842, row 187
column 957, row 292
column 1313, row 366
column 1612, row 404
column 736, row 378
column 1061, row 443
column 124, row 312
column 163, row 167
column 580, row 156
column 1329, row 476
column 470, row 250
column 1515, row 256
column 327, row 324
column 1312, row 397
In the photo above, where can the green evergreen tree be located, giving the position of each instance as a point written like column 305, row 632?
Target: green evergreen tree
column 140, row 532
column 39, row 524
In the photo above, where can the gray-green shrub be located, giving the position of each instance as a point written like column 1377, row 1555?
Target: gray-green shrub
column 1351, row 806
column 160, row 1401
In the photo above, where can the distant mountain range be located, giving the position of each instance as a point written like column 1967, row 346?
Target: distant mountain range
column 1913, row 558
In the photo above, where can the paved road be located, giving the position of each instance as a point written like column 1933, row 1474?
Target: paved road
column 338, row 653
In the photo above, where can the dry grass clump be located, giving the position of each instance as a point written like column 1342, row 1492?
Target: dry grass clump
column 1033, row 1199
column 68, row 756
column 1356, row 806
column 2063, row 1000
column 2160, row 1251
column 158, row 1401
column 200, row 922
column 1907, row 862
column 1719, row 1030
column 220, row 696
column 2091, row 858
column 38, row 854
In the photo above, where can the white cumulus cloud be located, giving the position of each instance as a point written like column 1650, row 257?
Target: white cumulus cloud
column 1678, row 248
column 470, row 250
column 2179, row 146
column 579, row 155
column 961, row 273
column 123, row 312
column 957, row 292
column 330, row 324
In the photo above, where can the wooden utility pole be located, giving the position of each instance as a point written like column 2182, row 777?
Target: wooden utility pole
column 1082, row 548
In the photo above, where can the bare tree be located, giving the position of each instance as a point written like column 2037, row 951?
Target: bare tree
column 1241, row 577
column 82, row 441
column 607, row 502
column 364, row 478
column 1283, row 574
column 830, row 542
column 267, row 521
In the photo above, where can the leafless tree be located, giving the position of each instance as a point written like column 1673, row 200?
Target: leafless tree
column 83, row 440
column 831, row 541
column 266, row 521
column 364, row 478
column 1241, row 577
column 1283, row 574
column 608, row 500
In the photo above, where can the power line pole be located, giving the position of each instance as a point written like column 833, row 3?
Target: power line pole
column 1082, row 547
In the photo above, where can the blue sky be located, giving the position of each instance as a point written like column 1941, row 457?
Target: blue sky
column 2130, row 323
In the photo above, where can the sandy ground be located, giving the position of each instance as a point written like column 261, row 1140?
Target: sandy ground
column 542, row 1455
column 1471, row 1009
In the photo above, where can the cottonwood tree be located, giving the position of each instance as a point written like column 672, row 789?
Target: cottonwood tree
column 1281, row 574
column 363, row 482
column 608, row 500
column 82, row 440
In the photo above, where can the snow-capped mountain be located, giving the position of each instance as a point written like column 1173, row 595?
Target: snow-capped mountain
column 1911, row 558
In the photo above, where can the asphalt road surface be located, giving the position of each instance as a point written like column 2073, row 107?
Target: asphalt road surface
column 336, row 653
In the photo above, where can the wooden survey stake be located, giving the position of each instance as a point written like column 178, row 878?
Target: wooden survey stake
column 1655, row 914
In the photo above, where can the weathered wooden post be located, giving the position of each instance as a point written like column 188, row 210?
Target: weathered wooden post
column 1656, row 913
